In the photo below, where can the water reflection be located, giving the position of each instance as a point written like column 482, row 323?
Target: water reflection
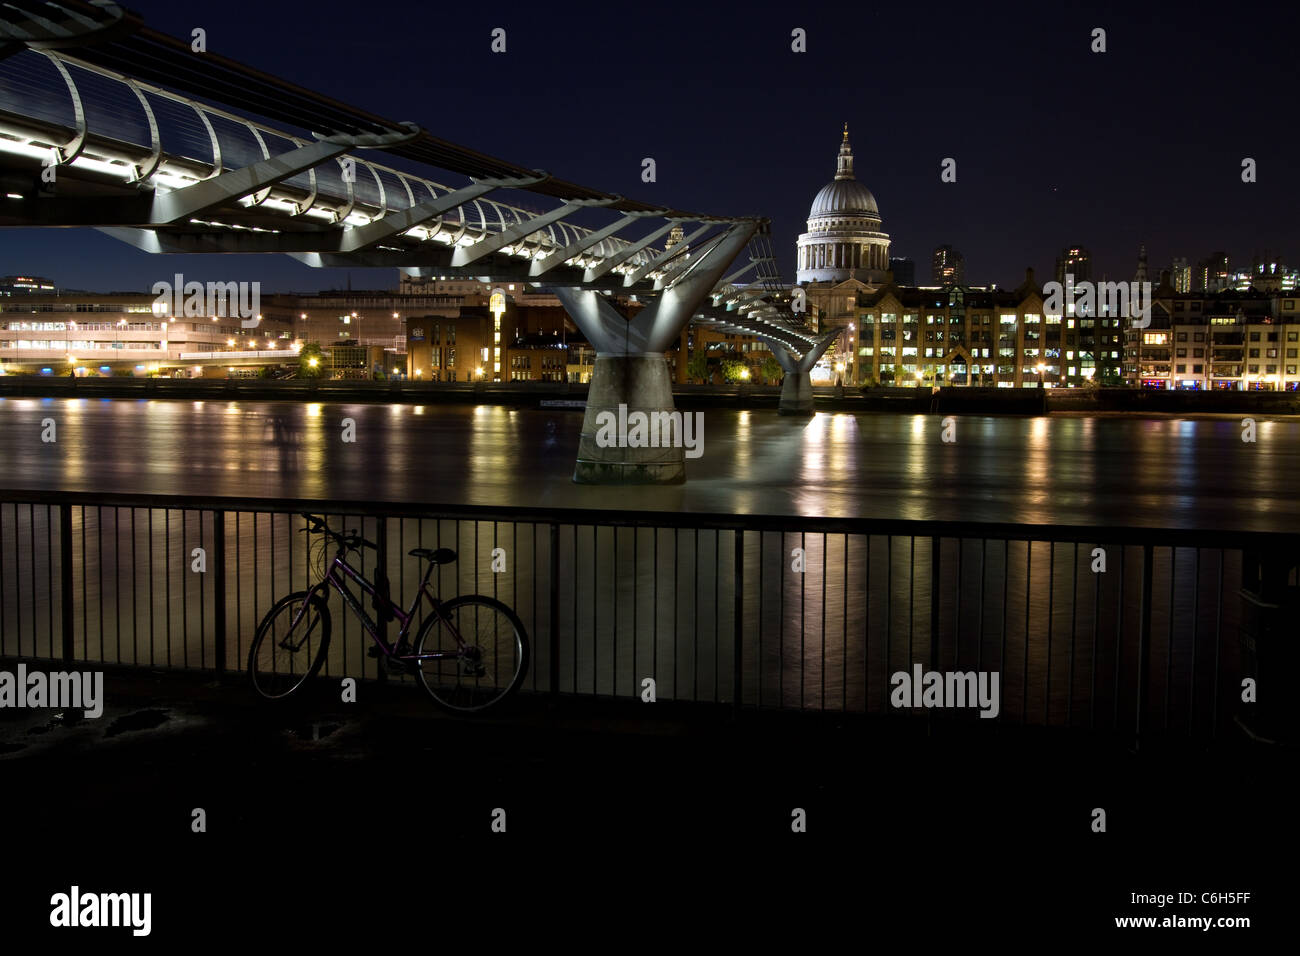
column 1077, row 470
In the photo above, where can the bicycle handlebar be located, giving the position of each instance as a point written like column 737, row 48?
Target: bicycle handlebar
column 347, row 539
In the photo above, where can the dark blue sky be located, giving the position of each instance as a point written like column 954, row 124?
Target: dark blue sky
column 1054, row 144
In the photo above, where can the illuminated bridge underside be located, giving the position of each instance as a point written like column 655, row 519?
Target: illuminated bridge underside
column 99, row 128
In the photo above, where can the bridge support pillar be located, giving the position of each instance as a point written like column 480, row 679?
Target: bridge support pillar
column 631, row 382
column 797, row 386
column 796, row 394
column 622, row 385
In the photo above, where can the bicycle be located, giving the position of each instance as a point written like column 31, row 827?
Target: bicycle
column 470, row 654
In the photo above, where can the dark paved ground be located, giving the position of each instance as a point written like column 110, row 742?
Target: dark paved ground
column 624, row 822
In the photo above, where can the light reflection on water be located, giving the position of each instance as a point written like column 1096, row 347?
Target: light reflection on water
column 1111, row 470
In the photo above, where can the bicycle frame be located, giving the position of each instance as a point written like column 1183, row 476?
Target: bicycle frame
column 337, row 577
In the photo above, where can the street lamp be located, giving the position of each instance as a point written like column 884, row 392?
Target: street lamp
column 1041, row 369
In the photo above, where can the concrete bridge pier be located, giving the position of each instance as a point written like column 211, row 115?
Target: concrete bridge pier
column 632, row 433
column 797, row 386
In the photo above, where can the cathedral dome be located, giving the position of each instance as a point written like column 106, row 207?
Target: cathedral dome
column 845, row 237
column 844, row 197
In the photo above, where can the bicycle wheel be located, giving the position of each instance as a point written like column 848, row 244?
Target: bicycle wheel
column 486, row 668
column 287, row 648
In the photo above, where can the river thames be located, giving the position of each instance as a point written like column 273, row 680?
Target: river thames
column 1107, row 470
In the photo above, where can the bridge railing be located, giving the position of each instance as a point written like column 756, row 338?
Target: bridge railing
column 1130, row 631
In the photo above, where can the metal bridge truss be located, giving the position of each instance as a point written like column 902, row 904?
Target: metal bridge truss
column 87, row 89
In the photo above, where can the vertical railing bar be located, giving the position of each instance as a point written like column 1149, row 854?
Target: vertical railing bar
column 1024, row 670
column 1169, row 630
column 803, row 588
column 984, row 557
column 272, row 561
column 911, row 600
column 65, row 579
column 956, row 637
column 18, row 583
column 717, row 605
column 239, row 591
column 575, row 606
column 203, row 606
column 654, row 631
column 1196, row 620
column 695, row 641
column 595, row 605
column 676, row 610
column 1074, row 615
column 825, row 546
column 117, row 577
column 185, row 589
column 866, row 628
column 738, row 623
column 1051, row 599
column 99, row 573
column 151, row 594
column 1006, row 574
column 780, row 634
column 167, row 570
column 257, row 617
column 1092, row 667
column 936, row 547
column 889, row 612
column 219, row 589
column 1144, row 642
column 844, row 642
column 49, row 574
column 85, row 602
column 758, row 656
column 4, row 581
column 514, row 574
column 31, row 537
column 419, row 543
column 381, row 574
column 401, row 570
column 1119, row 633
column 553, row 583
column 1218, row 631
column 614, row 614
column 636, row 610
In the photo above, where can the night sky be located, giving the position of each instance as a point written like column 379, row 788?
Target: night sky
column 1054, row 144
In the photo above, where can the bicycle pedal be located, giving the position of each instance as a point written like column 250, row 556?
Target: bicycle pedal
column 395, row 666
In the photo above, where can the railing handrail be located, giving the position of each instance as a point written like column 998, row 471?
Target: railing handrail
column 1235, row 539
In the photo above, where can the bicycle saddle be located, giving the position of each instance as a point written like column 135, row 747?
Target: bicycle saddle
column 440, row 556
